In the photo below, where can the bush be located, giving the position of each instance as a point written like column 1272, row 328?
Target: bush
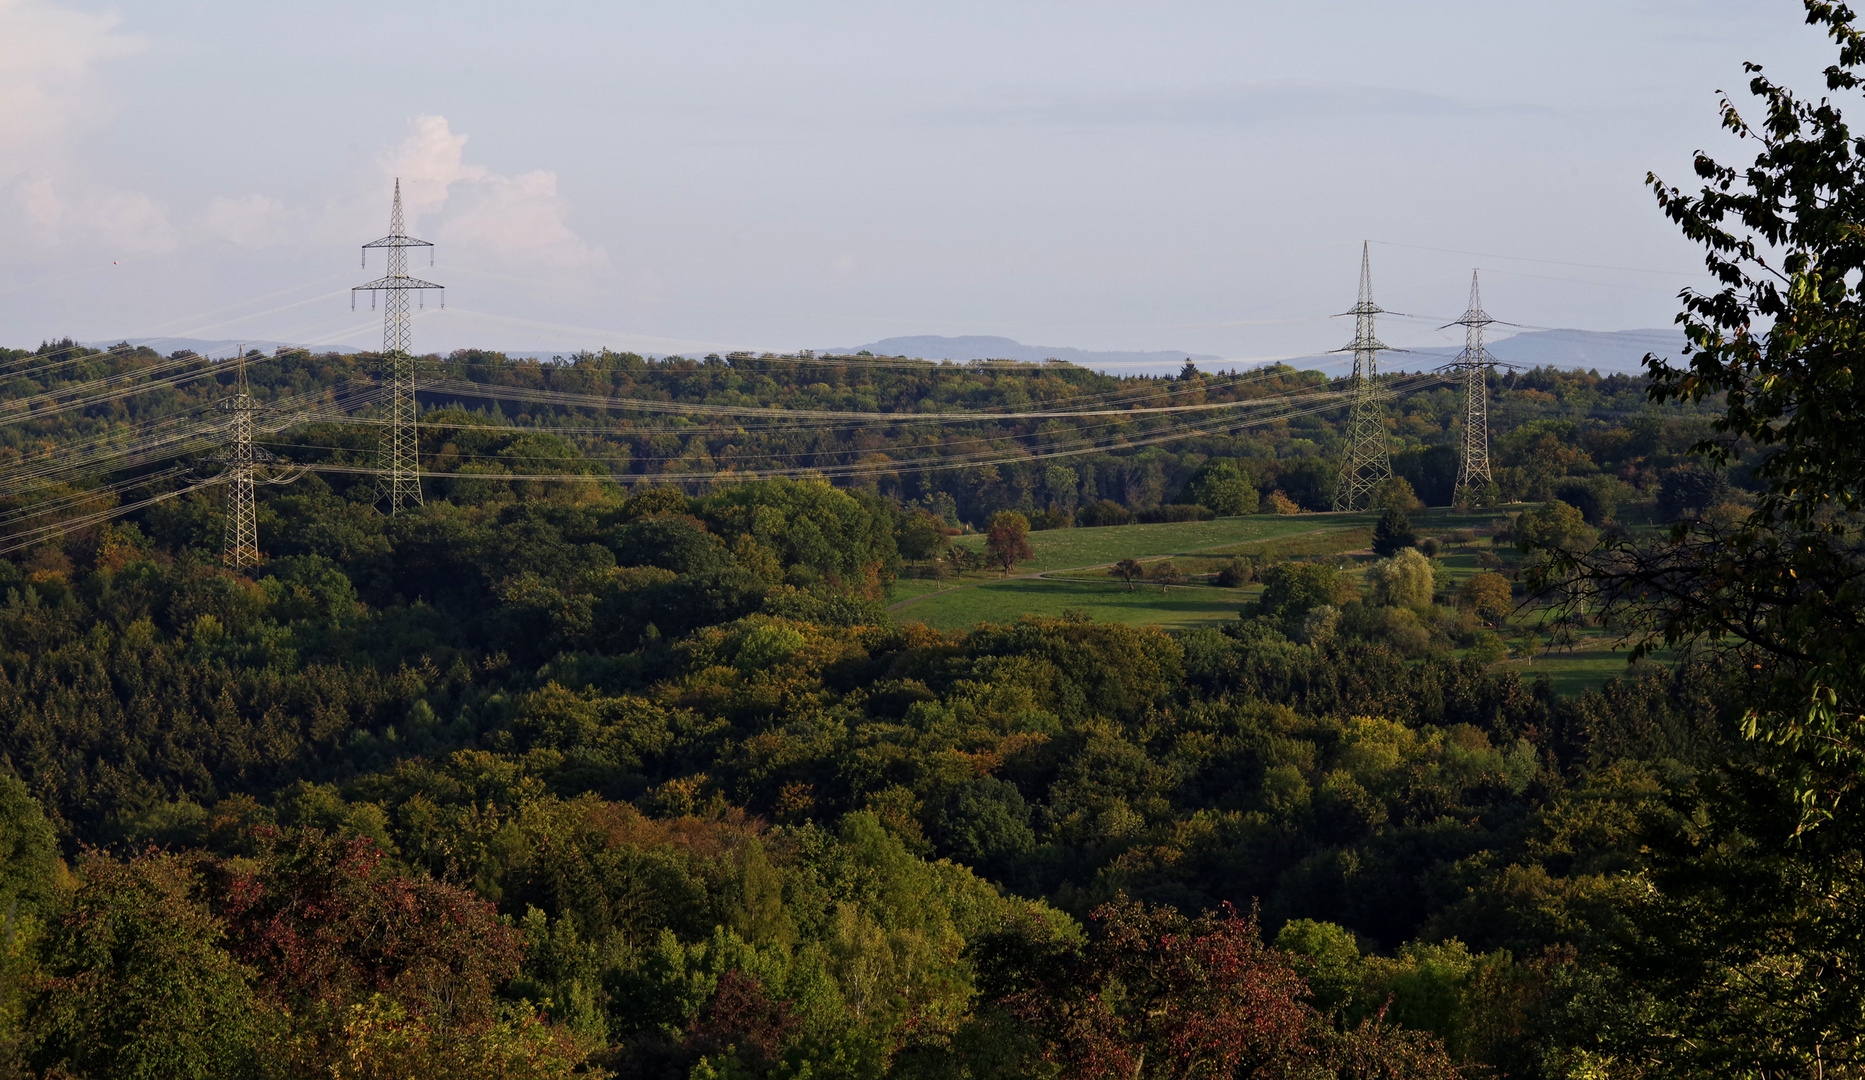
column 1056, row 517
column 1102, row 512
column 1174, row 512
column 1236, row 573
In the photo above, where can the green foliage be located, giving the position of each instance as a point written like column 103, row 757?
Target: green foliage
column 1223, row 488
column 30, row 869
column 1404, row 580
column 1327, row 956
column 1554, row 525
column 1292, row 589
column 1393, row 532
column 138, row 982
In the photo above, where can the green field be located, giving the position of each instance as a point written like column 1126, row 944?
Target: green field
column 1068, row 573
column 985, row 596
column 1061, row 549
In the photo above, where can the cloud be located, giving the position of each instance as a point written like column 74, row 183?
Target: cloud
column 519, row 218
column 46, row 56
column 53, row 210
column 49, row 90
column 250, row 221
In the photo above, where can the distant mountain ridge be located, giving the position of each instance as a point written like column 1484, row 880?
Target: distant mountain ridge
column 1601, row 350
column 981, row 347
column 1605, row 351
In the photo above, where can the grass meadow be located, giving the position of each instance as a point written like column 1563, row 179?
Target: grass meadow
column 1073, row 564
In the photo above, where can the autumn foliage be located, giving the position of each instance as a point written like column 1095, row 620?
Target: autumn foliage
column 1159, row 995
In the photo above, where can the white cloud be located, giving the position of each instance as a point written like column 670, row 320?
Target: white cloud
column 126, row 220
column 49, row 89
column 250, row 221
column 46, row 57
column 53, row 210
column 520, row 218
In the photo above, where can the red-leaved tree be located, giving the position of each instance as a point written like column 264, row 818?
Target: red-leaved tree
column 331, row 925
column 1155, row 995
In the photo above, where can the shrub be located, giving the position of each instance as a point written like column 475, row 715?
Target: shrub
column 1102, row 512
column 1175, row 512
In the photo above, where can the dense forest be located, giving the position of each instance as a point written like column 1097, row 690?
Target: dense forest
column 608, row 760
column 909, row 427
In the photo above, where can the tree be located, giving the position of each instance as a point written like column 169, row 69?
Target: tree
column 1008, row 541
column 1236, row 573
column 1128, row 570
column 921, row 537
column 1747, row 958
column 139, row 984
column 1223, row 488
column 1404, row 580
column 1689, row 489
column 1103, row 512
column 1292, row 589
column 1554, row 525
column 1392, row 533
column 29, row 865
column 1778, row 341
column 331, row 924
column 1156, row 995
column 1488, row 596
column 1395, row 493
column 1166, row 572
column 1596, row 497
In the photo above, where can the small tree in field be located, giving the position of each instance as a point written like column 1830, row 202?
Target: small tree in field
column 1489, row 597
column 1008, row 541
column 1128, row 570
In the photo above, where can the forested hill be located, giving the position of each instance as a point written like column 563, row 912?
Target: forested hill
column 552, row 775
column 942, row 436
column 664, row 763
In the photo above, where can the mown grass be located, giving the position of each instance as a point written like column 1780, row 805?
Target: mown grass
column 1573, row 672
column 1199, row 549
column 1061, row 549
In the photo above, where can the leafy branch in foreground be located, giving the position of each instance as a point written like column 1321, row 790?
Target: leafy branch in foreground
column 1781, row 343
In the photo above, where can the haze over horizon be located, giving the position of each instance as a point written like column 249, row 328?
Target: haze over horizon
column 678, row 178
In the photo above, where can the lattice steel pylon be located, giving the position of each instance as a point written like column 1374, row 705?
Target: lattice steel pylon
column 1475, row 363
column 1367, row 464
column 241, row 550
column 400, row 464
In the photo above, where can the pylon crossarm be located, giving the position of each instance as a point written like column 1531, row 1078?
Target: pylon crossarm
column 389, row 284
column 397, row 242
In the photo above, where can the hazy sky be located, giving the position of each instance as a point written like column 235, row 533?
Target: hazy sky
column 696, row 175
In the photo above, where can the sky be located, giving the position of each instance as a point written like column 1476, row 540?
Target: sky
column 703, row 175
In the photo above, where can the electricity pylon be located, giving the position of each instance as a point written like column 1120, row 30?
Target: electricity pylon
column 401, row 471
column 1367, row 464
column 1475, row 363
column 241, row 550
